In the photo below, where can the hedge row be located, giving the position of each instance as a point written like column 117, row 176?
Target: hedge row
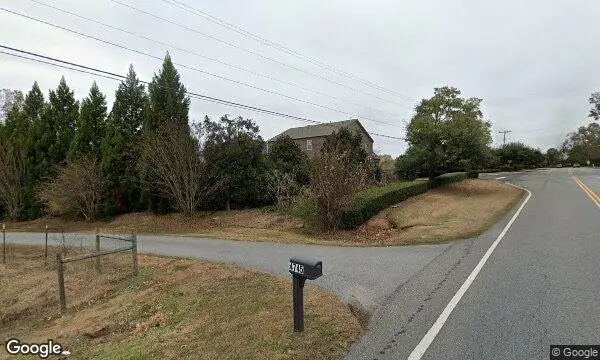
column 369, row 202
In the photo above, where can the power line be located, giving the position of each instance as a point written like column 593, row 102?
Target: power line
column 504, row 132
column 255, row 53
column 189, row 67
column 110, row 75
column 181, row 5
column 172, row 46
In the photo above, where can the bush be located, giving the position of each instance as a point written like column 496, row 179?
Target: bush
column 449, row 178
column 369, row 202
column 473, row 174
column 78, row 189
column 335, row 178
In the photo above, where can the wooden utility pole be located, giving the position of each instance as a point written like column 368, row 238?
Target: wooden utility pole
column 504, row 133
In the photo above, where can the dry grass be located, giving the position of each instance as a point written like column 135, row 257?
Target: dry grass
column 176, row 309
column 457, row 211
column 451, row 212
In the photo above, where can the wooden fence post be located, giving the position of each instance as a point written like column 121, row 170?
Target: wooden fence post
column 134, row 252
column 61, row 282
column 3, row 243
column 46, row 245
column 97, row 250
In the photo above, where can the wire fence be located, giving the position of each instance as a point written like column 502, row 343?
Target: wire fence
column 96, row 260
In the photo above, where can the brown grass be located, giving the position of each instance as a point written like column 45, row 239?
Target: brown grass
column 457, row 211
column 451, row 212
column 175, row 309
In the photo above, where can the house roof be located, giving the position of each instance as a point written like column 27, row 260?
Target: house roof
column 319, row 130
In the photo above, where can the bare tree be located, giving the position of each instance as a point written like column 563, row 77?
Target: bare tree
column 78, row 189
column 12, row 179
column 335, row 180
column 283, row 186
column 176, row 169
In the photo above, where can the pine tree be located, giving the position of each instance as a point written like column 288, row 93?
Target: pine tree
column 25, row 130
column 34, row 103
column 168, row 99
column 120, row 150
column 169, row 107
column 90, row 126
column 61, row 119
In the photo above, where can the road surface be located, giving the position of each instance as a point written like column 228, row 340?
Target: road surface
column 363, row 277
column 539, row 286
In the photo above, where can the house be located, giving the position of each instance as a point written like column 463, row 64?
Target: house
column 310, row 138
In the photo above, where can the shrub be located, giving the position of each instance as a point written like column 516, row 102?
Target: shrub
column 369, row 202
column 335, row 178
column 473, row 174
column 78, row 189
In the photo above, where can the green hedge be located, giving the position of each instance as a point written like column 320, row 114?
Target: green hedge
column 473, row 174
column 369, row 202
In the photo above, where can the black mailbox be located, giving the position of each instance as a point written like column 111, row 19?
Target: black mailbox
column 302, row 269
column 308, row 269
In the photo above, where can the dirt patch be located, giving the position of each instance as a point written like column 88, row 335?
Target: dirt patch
column 175, row 309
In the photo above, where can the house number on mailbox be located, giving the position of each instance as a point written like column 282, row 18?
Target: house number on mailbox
column 297, row 268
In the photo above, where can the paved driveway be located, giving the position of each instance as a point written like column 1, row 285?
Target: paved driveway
column 363, row 277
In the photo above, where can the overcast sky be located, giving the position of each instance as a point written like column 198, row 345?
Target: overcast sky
column 534, row 63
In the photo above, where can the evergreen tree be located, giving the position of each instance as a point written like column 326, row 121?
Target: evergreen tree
column 20, row 133
column 120, row 150
column 90, row 126
column 168, row 99
column 61, row 120
column 169, row 107
column 34, row 103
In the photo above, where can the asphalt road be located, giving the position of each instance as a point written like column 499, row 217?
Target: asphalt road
column 363, row 277
column 540, row 285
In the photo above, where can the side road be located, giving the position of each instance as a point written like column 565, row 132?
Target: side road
column 362, row 277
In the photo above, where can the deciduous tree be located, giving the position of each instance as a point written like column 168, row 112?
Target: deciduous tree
column 448, row 133
column 76, row 190
column 177, row 169
column 234, row 150
column 595, row 103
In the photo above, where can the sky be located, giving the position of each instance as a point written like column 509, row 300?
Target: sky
column 534, row 63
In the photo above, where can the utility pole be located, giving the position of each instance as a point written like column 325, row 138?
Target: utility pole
column 504, row 133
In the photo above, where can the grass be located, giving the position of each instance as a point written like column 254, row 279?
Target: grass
column 175, row 309
column 296, row 223
column 457, row 211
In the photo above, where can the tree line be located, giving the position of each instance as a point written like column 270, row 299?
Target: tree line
column 62, row 157
column 449, row 133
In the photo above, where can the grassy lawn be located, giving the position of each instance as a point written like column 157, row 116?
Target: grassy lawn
column 176, row 309
column 450, row 212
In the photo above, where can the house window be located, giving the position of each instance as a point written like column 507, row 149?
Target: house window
column 309, row 145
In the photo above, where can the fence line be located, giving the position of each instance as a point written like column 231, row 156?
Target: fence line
column 60, row 261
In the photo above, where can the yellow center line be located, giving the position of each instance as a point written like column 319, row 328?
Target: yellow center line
column 595, row 198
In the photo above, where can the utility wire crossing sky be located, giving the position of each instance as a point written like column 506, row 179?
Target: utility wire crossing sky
column 325, row 61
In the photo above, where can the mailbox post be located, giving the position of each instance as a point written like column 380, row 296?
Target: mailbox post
column 302, row 269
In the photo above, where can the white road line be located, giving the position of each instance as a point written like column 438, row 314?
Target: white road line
column 501, row 177
column 420, row 349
